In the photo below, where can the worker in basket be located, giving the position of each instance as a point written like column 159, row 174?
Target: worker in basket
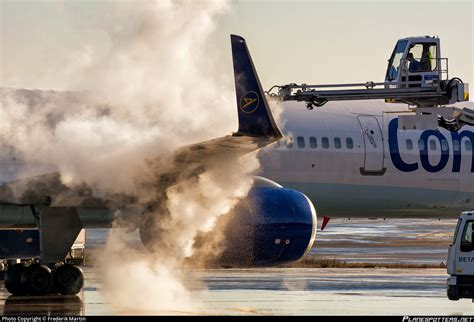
column 414, row 64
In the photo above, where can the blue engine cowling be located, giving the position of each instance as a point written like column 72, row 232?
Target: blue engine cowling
column 272, row 226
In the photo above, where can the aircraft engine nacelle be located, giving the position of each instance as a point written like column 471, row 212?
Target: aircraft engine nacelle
column 271, row 226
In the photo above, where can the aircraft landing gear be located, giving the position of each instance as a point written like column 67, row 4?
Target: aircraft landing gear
column 37, row 279
column 13, row 279
column 68, row 279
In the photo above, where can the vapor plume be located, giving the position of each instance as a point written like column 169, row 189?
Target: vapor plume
column 155, row 89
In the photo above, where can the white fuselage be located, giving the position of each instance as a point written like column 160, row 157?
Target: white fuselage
column 350, row 159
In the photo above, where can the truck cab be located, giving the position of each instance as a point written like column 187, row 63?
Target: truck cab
column 415, row 62
column 460, row 263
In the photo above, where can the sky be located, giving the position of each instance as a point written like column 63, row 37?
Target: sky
column 313, row 42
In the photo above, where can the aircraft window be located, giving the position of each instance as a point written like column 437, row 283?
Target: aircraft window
column 337, row 143
column 289, row 142
column 444, row 145
column 349, row 143
column 432, row 145
column 421, row 144
column 409, row 144
column 325, row 142
column 312, row 142
column 456, row 145
column 468, row 145
column 300, row 141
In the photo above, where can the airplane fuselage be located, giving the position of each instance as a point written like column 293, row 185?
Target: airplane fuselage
column 351, row 160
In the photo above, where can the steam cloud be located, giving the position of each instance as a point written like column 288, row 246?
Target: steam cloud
column 157, row 88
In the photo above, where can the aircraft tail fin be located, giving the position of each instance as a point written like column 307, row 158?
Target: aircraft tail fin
column 255, row 117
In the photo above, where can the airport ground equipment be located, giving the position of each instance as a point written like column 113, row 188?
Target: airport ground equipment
column 23, row 245
column 416, row 75
column 22, row 273
column 460, row 265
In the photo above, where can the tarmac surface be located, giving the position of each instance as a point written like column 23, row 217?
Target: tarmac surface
column 301, row 291
column 280, row 291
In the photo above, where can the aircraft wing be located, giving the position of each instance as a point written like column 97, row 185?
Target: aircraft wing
column 257, row 129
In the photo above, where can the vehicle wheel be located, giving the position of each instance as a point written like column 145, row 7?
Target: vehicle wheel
column 453, row 293
column 36, row 279
column 13, row 279
column 68, row 279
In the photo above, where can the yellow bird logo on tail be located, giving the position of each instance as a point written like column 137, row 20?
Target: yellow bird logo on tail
column 249, row 102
